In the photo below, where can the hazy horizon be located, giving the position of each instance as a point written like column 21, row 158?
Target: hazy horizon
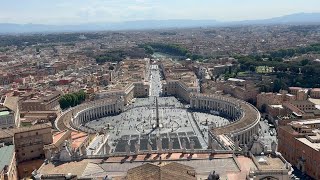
column 61, row 12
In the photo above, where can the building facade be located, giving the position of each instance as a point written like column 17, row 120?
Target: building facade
column 8, row 166
column 315, row 93
column 299, row 144
column 239, row 88
column 7, row 118
column 29, row 141
column 44, row 103
column 178, row 80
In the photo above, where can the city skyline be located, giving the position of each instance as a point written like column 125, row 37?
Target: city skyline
column 83, row 11
column 159, row 89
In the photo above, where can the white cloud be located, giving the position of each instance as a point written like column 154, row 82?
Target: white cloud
column 99, row 11
column 139, row 8
column 81, row 11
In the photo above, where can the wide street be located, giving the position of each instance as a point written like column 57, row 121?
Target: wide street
column 155, row 81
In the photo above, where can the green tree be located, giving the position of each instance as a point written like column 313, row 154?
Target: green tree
column 278, row 59
column 149, row 49
column 75, row 100
column 81, row 95
column 69, row 99
column 304, row 62
column 276, row 85
column 111, row 68
column 252, row 68
column 72, row 99
column 64, row 103
column 264, row 108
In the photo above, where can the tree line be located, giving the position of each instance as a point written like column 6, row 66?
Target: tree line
column 26, row 40
column 72, row 99
column 304, row 73
column 283, row 53
column 171, row 49
column 119, row 55
column 112, row 56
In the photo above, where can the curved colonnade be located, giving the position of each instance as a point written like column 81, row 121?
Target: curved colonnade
column 245, row 117
column 98, row 110
column 74, row 118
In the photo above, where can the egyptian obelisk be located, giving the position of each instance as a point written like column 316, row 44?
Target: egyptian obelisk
column 157, row 113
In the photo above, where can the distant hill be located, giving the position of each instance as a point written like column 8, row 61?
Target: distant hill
column 128, row 25
column 300, row 18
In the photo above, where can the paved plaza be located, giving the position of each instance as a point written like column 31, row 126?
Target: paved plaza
column 136, row 125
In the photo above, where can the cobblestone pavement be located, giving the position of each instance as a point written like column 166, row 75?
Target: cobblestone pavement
column 135, row 124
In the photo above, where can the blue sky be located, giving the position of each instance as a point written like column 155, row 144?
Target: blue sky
column 90, row 11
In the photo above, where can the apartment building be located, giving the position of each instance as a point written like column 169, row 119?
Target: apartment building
column 7, row 118
column 179, row 80
column 302, row 93
column 8, row 166
column 315, row 93
column 302, row 109
column 131, row 81
column 9, row 112
column 240, row 88
column 299, row 144
column 45, row 102
column 273, row 98
column 28, row 141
